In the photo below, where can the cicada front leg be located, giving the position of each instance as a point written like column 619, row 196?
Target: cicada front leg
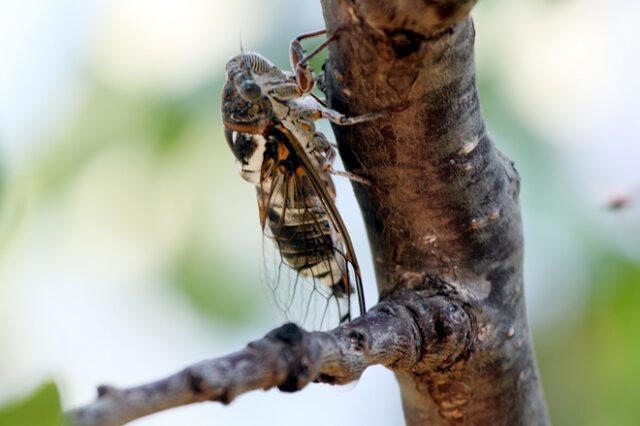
column 285, row 91
column 300, row 61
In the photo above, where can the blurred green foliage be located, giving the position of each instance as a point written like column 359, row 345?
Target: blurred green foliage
column 159, row 125
column 589, row 366
column 11, row 208
column 213, row 285
column 40, row 408
column 2, row 199
column 2, row 178
column 106, row 118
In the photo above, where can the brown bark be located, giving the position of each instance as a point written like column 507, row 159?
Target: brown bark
column 443, row 207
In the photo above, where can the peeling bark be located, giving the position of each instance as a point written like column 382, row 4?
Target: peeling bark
column 443, row 207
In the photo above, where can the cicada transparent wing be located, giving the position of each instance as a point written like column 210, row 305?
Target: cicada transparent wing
column 309, row 263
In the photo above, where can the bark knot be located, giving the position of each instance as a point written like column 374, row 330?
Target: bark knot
column 296, row 354
column 443, row 317
column 404, row 42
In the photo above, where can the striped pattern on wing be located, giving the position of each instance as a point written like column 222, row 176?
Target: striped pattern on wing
column 304, row 251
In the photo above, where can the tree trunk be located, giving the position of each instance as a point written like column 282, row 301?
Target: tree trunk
column 443, row 208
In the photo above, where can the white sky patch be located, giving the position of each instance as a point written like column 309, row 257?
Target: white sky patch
column 171, row 44
column 41, row 45
column 571, row 71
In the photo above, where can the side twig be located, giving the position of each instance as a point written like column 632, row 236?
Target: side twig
column 393, row 333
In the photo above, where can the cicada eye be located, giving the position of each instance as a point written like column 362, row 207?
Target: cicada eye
column 250, row 90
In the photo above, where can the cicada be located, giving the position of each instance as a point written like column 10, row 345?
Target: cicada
column 310, row 263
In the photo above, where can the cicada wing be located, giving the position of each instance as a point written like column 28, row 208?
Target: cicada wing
column 310, row 277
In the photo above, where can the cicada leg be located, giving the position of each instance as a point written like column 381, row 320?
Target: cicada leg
column 328, row 151
column 311, row 34
column 285, row 91
column 300, row 61
column 351, row 176
column 336, row 117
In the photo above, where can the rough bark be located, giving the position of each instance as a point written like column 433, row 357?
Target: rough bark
column 444, row 204
column 443, row 220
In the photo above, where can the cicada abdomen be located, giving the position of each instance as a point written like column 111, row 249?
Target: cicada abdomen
column 306, row 262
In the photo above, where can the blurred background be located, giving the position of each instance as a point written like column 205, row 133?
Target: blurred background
column 129, row 246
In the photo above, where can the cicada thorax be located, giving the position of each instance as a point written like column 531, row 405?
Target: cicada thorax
column 258, row 94
column 247, row 65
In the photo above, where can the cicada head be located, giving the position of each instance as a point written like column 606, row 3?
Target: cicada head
column 242, row 115
column 244, row 68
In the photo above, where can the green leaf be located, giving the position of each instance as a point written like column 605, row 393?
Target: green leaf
column 40, row 408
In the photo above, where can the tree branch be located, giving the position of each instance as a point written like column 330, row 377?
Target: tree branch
column 290, row 358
